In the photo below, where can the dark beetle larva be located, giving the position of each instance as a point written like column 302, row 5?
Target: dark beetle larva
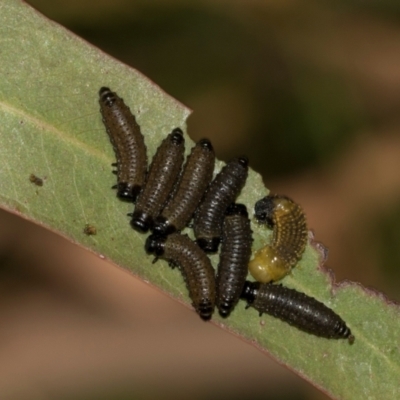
column 194, row 264
column 161, row 179
column 297, row 309
column 234, row 257
column 223, row 191
column 128, row 144
column 289, row 238
column 196, row 176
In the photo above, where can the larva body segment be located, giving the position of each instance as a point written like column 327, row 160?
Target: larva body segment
column 194, row 265
column 289, row 238
column 161, row 179
column 297, row 309
column 221, row 193
column 234, row 257
column 128, row 143
column 194, row 180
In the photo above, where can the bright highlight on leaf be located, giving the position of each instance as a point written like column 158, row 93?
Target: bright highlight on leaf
column 51, row 127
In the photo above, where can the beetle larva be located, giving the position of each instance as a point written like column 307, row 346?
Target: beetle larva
column 297, row 309
column 196, row 176
column 289, row 238
column 161, row 179
column 234, row 257
column 223, row 191
column 194, row 264
column 128, row 144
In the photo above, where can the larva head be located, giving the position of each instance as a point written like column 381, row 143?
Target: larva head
column 264, row 209
column 225, row 309
column 209, row 245
column 155, row 245
column 141, row 222
column 127, row 191
column 162, row 226
column 271, row 207
column 342, row 331
column 205, row 309
column 267, row 265
column 206, row 144
column 249, row 292
column 243, row 161
column 177, row 136
column 107, row 97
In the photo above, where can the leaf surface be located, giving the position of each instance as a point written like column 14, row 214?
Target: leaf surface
column 51, row 127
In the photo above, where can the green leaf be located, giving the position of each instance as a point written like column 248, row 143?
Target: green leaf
column 51, row 127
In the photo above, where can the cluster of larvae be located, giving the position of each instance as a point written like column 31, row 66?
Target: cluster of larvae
column 170, row 193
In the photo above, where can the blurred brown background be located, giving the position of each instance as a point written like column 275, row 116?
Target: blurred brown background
column 310, row 91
